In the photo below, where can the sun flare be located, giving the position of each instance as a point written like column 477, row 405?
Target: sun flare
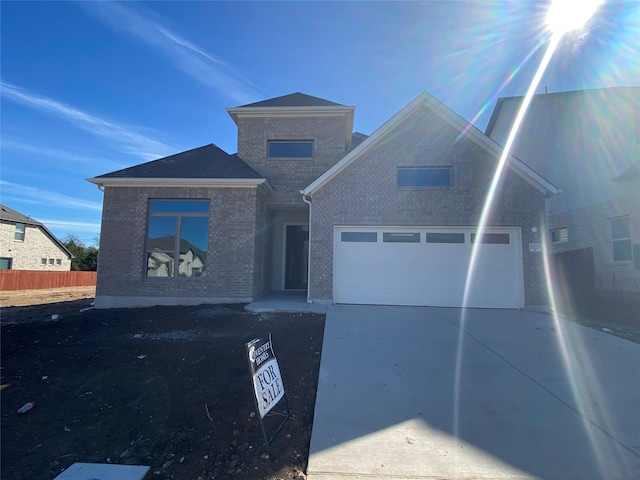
column 567, row 15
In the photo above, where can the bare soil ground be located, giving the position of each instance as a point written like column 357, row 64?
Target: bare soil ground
column 20, row 298
column 167, row 387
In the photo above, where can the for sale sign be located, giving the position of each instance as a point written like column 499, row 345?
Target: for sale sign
column 267, row 381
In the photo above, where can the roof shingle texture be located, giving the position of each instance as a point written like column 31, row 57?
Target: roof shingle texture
column 11, row 215
column 294, row 100
column 209, row 161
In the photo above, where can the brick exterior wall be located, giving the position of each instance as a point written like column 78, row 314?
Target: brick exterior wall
column 232, row 258
column 591, row 227
column 289, row 176
column 365, row 193
column 27, row 254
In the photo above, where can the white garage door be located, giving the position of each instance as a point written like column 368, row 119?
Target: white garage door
column 428, row 266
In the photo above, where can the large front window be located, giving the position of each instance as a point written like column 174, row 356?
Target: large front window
column 177, row 238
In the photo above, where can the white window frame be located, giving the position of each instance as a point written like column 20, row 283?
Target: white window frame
column 615, row 240
column 19, row 232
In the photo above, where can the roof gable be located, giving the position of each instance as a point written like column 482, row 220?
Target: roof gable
column 207, row 165
column 10, row 215
column 293, row 100
column 209, row 161
column 448, row 115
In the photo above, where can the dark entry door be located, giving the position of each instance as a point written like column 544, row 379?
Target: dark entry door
column 296, row 257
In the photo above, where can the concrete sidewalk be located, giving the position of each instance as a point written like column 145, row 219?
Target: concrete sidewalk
column 414, row 393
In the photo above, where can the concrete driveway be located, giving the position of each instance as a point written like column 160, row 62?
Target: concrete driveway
column 414, row 393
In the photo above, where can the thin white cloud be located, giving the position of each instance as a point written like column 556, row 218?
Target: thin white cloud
column 64, row 155
column 52, row 223
column 193, row 60
column 33, row 195
column 122, row 138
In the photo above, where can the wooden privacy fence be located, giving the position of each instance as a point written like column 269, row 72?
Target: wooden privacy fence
column 34, row 280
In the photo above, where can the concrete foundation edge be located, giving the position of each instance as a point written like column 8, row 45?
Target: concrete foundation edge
column 108, row 301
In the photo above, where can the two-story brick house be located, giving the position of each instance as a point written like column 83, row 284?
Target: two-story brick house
column 587, row 142
column 27, row 244
column 306, row 204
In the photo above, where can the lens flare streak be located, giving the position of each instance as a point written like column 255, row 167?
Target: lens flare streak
column 575, row 359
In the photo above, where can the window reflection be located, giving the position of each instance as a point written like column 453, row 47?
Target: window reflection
column 165, row 247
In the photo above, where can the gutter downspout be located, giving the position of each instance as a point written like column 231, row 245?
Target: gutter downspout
column 307, row 199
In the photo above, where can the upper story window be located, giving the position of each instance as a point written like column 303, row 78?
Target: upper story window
column 418, row 177
column 19, row 233
column 177, row 238
column 621, row 239
column 559, row 235
column 290, row 149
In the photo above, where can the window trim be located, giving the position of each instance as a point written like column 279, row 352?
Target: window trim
column 621, row 239
column 447, row 168
column 290, row 157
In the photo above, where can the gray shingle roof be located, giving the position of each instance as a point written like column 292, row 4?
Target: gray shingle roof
column 11, row 215
column 294, row 100
column 209, row 161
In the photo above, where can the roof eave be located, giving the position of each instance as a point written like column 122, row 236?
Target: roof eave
column 284, row 111
column 182, row 182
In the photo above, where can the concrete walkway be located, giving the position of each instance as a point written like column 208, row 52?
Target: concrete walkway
column 286, row 302
column 416, row 393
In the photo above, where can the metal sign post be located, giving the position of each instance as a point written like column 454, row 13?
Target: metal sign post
column 267, row 382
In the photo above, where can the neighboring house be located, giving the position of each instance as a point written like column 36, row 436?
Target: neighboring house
column 308, row 205
column 26, row 244
column 587, row 143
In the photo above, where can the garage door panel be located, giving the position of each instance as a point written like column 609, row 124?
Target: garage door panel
column 397, row 273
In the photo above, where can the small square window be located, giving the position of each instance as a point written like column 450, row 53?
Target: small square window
column 43, row 261
column 51, row 261
column 5, row 263
column 559, row 235
column 58, row 261
column 19, row 233
column 417, row 177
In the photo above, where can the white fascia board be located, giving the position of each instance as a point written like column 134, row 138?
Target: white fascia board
column 236, row 112
column 454, row 120
column 182, row 182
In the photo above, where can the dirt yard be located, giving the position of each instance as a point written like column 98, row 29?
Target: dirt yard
column 167, row 387
column 20, row 298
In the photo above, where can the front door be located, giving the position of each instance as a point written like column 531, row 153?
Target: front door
column 296, row 257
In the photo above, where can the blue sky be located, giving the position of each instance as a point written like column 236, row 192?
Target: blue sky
column 90, row 87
